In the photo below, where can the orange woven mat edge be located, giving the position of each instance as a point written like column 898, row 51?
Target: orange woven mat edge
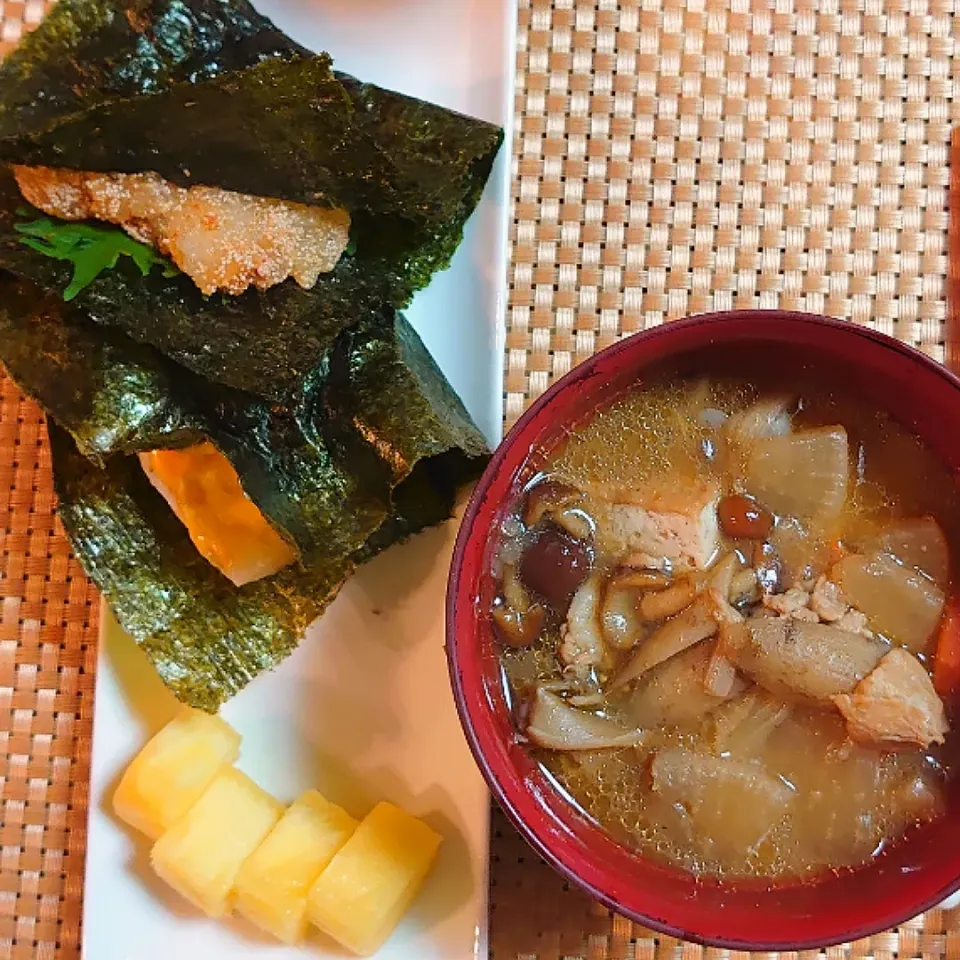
column 48, row 633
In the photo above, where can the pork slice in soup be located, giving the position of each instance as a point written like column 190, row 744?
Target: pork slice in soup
column 720, row 611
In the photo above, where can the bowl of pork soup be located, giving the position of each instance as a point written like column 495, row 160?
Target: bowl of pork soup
column 703, row 629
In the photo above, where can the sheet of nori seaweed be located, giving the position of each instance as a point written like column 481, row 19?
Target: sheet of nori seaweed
column 113, row 394
column 361, row 424
column 87, row 52
column 384, row 383
column 288, row 129
column 205, row 637
column 410, row 173
column 323, row 471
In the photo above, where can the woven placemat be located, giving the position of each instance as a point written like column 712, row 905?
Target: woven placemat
column 47, row 656
column 670, row 158
column 681, row 156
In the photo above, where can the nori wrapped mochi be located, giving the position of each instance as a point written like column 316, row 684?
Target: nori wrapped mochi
column 410, row 173
column 264, row 342
column 324, row 471
column 206, row 637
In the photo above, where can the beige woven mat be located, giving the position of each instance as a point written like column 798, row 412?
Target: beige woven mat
column 675, row 157
column 671, row 157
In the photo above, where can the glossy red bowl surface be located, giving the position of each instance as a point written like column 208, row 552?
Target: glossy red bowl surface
column 910, row 876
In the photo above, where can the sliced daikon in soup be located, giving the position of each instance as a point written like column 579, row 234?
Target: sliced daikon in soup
column 734, row 675
column 917, row 542
column 898, row 601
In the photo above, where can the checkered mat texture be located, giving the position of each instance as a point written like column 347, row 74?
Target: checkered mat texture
column 679, row 157
column 670, row 158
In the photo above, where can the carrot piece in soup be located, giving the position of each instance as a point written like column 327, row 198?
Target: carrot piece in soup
column 946, row 663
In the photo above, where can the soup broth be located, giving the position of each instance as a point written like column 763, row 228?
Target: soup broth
column 722, row 609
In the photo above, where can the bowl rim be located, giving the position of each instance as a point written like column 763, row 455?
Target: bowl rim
column 465, row 537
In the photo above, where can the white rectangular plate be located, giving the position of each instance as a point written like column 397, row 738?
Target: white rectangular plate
column 363, row 710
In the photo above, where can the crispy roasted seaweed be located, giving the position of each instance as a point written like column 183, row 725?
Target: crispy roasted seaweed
column 386, row 385
column 111, row 393
column 328, row 471
column 87, row 52
column 282, row 128
column 206, row 638
column 381, row 409
column 426, row 498
column 409, row 172
column 361, row 424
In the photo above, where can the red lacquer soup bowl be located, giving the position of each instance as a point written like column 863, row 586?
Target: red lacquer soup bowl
column 911, row 875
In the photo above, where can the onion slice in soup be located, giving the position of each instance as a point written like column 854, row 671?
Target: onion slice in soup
column 676, row 691
column 697, row 622
column 742, row 726
column 720, row 678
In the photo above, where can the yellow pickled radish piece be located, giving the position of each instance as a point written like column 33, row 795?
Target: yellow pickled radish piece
column 272, row 886
column 171, row 772
column 368, row 886
column 201, row 854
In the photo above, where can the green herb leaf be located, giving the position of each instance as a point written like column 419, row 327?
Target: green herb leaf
column 91, row 249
